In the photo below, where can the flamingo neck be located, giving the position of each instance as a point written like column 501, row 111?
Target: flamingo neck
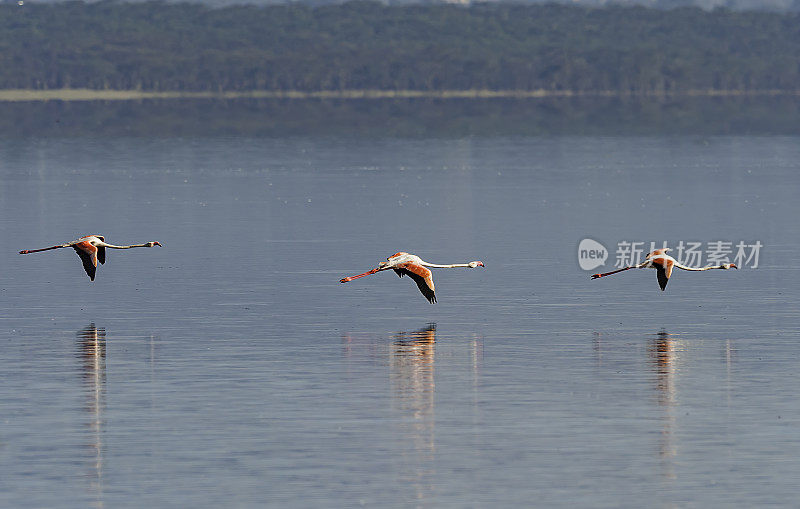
column 698, row 269
column 112, row 246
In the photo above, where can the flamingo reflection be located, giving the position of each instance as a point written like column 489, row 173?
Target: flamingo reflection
column 666, row 356
column 664, row 352
column 92, row 351
column 411, row 364
column 413, row 387
column 411, row 376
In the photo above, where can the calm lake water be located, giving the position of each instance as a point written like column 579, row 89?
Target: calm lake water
column 230, row 368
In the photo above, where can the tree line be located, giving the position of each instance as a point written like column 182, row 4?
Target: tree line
column 367, row 45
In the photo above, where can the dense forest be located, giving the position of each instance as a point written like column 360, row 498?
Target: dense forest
column 367, row 45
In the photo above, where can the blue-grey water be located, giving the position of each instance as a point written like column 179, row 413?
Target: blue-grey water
column 231, row 368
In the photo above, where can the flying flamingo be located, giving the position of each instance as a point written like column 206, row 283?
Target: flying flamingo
column 91, row 248
column 664, row 263
column 405, row 264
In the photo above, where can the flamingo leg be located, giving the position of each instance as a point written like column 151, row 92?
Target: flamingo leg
column 595, row 276
column 28, row 251
column 373, row 271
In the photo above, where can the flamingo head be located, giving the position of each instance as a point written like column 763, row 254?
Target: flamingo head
column 154, row 243
column 730, row 266
column 474, row 264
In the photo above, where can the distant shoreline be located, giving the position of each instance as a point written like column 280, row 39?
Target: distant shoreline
column 82, row 94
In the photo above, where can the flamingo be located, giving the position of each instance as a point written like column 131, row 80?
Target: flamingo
column 91, row 248
column 664, row 263
column 405, row 264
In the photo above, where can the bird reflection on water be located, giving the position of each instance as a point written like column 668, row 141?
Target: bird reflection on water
column 92, row 353
column 664, row 352
column 413, row 390
column 670, row 384
column 410, row 358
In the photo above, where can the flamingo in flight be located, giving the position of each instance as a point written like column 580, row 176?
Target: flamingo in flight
column 91, row 248
column 405, row 264
column 664, row 263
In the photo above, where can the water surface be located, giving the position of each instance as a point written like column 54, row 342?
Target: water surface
column 231, row 367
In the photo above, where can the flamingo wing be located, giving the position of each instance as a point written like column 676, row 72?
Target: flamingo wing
column 422, row 276
column 664, row 272
column 101, row 250
column 88, row 254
